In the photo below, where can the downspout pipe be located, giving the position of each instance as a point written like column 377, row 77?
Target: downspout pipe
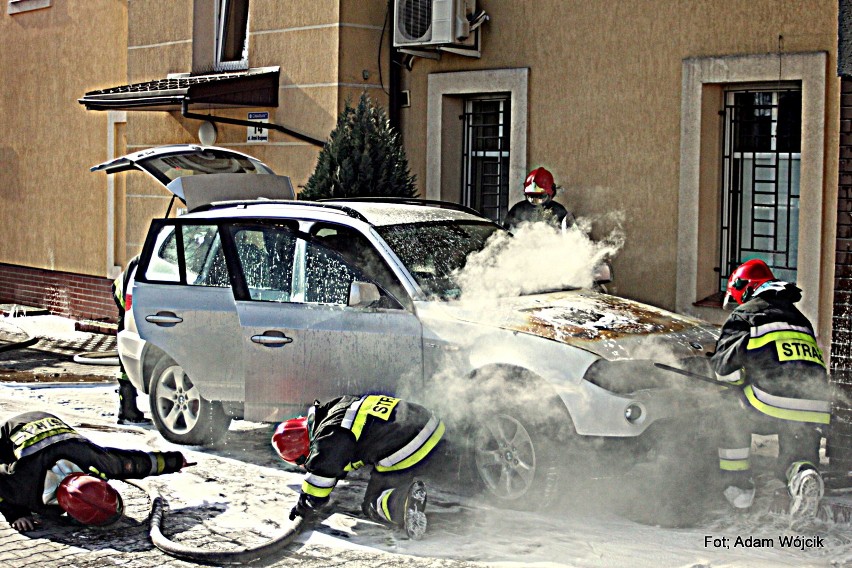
column 394, row 65
column 184, row 111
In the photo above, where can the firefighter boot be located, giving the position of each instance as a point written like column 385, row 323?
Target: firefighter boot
column 128, row 413
column 806, row 488
column 414, row 516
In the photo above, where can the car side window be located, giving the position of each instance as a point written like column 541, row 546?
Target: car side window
column 327, row 277
column 359, row 253
column 265, row 254
column 204, row 260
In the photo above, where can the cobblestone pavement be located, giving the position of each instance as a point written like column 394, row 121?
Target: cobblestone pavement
column 51, row 358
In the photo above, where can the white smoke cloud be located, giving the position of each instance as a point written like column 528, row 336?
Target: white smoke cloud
column 537, row 258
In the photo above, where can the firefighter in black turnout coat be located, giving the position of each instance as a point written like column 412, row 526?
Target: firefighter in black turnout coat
column 344, row 434
column 768, row 348
column 38, row 450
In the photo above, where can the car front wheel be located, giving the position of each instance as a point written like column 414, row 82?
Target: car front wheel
column 181, row 414
column 518, row 450
column 506, row 458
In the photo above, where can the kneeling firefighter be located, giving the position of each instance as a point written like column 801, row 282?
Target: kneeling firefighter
column 48, row 468
column 346, row 433
column 768, row 348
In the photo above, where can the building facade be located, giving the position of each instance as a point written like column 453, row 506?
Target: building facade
column 706, row 131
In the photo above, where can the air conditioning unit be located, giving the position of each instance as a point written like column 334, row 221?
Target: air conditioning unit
column 423, row 23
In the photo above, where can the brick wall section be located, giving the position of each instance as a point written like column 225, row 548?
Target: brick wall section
column 75, row 296
column 840, row 436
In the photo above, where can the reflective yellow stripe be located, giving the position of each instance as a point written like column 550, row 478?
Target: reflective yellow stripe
column 734, row 465
column 791, row 346
column 384, row 501
column 161, row 463
column 786, row 413
column 38, row 434
column 730, row 377
column 378, row 406
column 94, row 471
column 757, row 342
column 419, row 454
column 315, row 491
column 354, row 466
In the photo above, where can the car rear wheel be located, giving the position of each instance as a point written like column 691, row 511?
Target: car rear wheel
column 181, row 414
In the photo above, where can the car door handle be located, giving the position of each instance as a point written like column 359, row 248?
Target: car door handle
column 164, row 318
column 272, row 340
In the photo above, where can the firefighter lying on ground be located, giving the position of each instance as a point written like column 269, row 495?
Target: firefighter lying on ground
column 47, row 468
column 768, row 348
column 344, row 434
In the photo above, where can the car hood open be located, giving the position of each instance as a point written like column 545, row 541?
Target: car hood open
column 609, row 326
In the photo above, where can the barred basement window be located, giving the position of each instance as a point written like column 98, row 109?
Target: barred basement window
column 760, row 182
column 485, row 158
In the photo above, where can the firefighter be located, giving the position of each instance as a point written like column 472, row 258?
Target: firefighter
column 768, row 348
column 538, row 204
column 46, row 467
column 393, row 436
column 128, row 412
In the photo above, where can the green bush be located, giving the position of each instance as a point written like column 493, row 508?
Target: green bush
column 362, row 158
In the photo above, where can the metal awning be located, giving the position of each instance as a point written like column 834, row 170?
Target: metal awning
column 252, row 88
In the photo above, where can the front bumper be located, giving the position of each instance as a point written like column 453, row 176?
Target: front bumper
column 598, row 412
column 131, row 350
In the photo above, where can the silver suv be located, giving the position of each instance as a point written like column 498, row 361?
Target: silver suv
column 254, row 308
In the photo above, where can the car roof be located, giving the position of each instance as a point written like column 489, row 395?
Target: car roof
column 378, row 213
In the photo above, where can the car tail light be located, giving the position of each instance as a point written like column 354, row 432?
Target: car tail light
column 128, row 301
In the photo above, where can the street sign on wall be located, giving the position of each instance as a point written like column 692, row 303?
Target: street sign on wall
column 256, row 134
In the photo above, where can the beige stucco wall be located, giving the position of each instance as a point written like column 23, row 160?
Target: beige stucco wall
column 604, row 110
column 324, row 50
column 53, row 210
column 603, row 83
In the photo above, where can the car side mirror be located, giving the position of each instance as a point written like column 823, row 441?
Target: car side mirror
column 363, row 294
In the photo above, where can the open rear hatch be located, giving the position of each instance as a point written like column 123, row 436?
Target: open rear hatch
column 179, row 168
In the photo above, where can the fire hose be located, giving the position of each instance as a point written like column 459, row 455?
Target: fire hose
column 19, row 345
column 243, row 555
column 727, row 390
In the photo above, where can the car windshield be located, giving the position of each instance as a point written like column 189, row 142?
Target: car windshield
column 434, row 252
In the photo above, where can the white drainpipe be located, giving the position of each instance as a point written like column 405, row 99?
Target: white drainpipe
column 112, row 270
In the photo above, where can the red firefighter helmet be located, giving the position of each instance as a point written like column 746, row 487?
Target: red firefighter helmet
column 89, row 500
column 292, row 440
column 540, row 181
column 747, row 278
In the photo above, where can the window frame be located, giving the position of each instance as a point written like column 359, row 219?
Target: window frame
column 444, row 91
column 472, row 193
column 226, row 10
column 151, row 243
column 20, row 6
column 698, row 201
column 225, row 227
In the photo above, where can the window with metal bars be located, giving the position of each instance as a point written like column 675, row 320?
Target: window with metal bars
column 485, row 155
column 760, row 179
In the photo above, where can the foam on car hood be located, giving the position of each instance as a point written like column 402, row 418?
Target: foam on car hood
column 609, row 326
